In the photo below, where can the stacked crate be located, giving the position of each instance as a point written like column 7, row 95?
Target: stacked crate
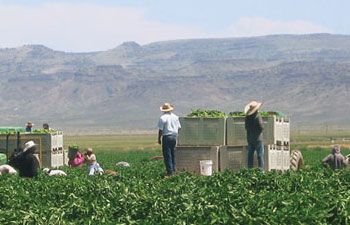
column 199, row 139
column 275, row 138
column 49, row 146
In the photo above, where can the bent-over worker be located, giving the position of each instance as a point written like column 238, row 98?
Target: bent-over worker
column 93, row 166
column 335, row 160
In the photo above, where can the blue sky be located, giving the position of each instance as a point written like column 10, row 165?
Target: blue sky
column 91, row 25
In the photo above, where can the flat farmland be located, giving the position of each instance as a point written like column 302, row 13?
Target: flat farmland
column 139, row 195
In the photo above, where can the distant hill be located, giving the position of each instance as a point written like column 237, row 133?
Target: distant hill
column 305, row 76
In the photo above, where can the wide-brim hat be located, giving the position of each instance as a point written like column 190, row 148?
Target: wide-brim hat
column 252, row 107
column 29, row 145
column 166, row 107
column 29, row 123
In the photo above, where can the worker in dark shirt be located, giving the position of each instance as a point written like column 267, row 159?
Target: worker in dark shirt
column 335, row 160
column 28, row 163
column 254, row 128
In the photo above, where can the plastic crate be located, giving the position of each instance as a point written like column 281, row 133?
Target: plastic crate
column 65, row 157
column 236, row 157
column 233, row 157
column 189, row 157
column 286, row 158
column 52, row 160
column 276, row 131
column 47, row 142
column 202, row 131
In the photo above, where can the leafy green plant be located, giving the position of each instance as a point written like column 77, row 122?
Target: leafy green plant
column 141, row 196
column 262, row 113
column 207, row 113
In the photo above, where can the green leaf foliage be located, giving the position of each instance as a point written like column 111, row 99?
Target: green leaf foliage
column 141, row 196
column 207, row 113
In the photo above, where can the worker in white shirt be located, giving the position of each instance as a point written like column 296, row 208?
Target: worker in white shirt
column 51, row 172
column 6, row 169
column 168, row 126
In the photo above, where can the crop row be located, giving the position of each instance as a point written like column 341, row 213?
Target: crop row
column 140, row 196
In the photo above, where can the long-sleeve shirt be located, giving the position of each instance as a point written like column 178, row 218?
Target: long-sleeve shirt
column 254, row 127
column 336, row 160
column 77, row 161
column 28, row 166
column 90, row 160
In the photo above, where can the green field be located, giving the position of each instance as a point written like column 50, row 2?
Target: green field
column 140, row 195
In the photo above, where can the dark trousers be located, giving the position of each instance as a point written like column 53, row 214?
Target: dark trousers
column 168, row 147
column 259, row 148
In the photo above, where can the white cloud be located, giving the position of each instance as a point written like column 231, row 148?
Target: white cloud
column 257, row 26
column 93, row 27
column 82, row 27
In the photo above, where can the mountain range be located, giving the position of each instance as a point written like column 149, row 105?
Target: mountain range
column 306, row 77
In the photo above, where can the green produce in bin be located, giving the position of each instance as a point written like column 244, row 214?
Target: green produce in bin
column 72, row 151
column 11, row 130
column 3, row 159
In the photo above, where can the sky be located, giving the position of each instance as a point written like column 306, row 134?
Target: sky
column 98, row 25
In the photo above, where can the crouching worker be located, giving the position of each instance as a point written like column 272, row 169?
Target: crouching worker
column 51, row 172
column 93, row 166
column 26, row 162
column 77, row 161
column 335, row 160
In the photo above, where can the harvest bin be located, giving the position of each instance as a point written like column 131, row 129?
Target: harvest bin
column 276, row 131
column 48, row 143
column 202, row 131
column 189, row 157
column 236, row 157
column 53, row 159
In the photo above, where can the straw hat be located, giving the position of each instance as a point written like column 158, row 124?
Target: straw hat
column 29, row 145
column 89, row 150
column 29, row 124
column 166, row 107
column 252, row 107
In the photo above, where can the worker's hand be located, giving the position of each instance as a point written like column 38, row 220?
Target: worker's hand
column 159, row 142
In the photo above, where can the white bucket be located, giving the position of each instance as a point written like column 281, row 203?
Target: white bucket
column 206, row 167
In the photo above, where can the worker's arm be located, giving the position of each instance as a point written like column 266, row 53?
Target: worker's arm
column 260, row 122
column 160, row 133
column 345, row 161
column 325, row 160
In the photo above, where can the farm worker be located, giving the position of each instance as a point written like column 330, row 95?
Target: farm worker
column 51, row 172
column 6, row 169
column 168, row 126
column 254, row 128
column 335, row 160
column 46, row 126
column 29, row 126
column 93, row 166
column 77, row 161
column 28, row 163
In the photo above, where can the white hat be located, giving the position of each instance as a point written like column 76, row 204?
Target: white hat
column 252, row 107
column 46, row 170
column 29, row 145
